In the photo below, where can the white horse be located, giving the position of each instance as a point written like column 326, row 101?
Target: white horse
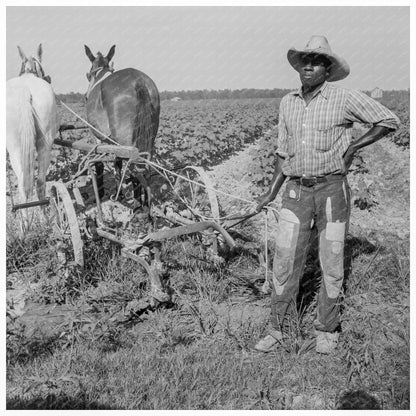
column 31, row 126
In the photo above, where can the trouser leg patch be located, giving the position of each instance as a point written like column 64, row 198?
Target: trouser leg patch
column 286, row 239
column 332, row 257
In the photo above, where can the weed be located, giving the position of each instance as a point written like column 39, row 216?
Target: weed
column 29, row 250
column 91, row 341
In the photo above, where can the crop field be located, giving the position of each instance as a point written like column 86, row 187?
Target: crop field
column 88, row 339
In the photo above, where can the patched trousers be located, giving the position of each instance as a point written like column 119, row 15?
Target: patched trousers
column 326, row 205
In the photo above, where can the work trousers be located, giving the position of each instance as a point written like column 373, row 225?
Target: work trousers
column 326, row 205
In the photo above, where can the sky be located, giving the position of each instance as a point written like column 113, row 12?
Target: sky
column 189, row 48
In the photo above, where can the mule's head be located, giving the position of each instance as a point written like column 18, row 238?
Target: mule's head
column 33, row 65
column 99, row 64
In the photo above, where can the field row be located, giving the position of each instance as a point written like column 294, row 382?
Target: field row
column 207, row 132
column 203, row 132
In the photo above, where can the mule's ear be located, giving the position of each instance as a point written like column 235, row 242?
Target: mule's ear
column 91, row 57
column 40, row 52
column 111, row 53
column 21, row 53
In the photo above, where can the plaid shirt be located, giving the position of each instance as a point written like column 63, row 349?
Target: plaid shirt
column 313, row 138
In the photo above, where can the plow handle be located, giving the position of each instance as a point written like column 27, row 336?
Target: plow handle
column 191, row 229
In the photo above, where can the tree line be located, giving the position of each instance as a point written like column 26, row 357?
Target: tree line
column 224, row 94
column 198, row 94
column 390, row 97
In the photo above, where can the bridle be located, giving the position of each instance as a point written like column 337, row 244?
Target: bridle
column 34, row 68
column 94, row 72
column 93, row 75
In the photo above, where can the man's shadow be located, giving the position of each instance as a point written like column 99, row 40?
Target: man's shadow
column 312, row 276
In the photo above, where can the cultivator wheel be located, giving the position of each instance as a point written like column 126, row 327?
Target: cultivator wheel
column 197, row 201
column 63, row 218
column 196, row 197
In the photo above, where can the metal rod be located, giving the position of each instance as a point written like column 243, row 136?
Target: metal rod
column 64, row 127
column 192, row 229
column 96, row 193
column 124, row 152
column 30, row 204
column 228, row 223
column 173, row 217
column 109, row 236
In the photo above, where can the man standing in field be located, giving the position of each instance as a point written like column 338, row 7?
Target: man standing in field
column 314, row 152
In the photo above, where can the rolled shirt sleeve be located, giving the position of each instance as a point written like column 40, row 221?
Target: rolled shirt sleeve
column 361, row 108
column 282, row 136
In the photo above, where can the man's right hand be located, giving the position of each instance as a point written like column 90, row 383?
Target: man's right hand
column 263, row 200
column 275, row 184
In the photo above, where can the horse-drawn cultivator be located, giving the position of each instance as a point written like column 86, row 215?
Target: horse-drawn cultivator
column 137, row 206
column 79, row 209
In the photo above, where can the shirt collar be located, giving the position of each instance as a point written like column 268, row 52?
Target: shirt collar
column 323, row 91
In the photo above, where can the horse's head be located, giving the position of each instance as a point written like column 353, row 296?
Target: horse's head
column 33, row 65
column 100, row 64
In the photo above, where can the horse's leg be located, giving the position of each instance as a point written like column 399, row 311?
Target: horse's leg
column 44, row 149
column 24, row 196
column 44, row 158
column 23, row 193
column 141, row 192
column 137, row 188
column 148, row 190
column 99, row 172
column 141, row 186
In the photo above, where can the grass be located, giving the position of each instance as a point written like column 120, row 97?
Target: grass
column 91, row 340
column 197, row 352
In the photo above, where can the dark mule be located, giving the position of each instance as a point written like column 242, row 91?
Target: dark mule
column 124, row 105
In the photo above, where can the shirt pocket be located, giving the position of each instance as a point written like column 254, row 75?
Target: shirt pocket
column 324, row 136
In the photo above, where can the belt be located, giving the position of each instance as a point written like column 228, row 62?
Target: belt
column 309, row 181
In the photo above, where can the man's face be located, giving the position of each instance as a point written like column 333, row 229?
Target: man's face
column 313, row 70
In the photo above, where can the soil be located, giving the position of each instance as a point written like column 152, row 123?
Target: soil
column 389, row 174
column 389, row 219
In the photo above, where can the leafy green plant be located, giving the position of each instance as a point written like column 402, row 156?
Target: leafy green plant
column 206, row 134
column 112, row 351
column 401, row 137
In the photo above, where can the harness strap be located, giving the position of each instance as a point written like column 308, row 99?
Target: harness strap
column 106, row 75
column 95, row 75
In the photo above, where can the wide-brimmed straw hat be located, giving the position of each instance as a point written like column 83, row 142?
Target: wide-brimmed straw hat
column 318, row 45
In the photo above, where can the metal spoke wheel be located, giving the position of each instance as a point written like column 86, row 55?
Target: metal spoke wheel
column 63, row 219
column 196, row 200
column 195, row 196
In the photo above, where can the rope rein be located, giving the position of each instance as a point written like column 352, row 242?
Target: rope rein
column 89, row 125
column 157, row 166
column 97, row 82
column 166, row 172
